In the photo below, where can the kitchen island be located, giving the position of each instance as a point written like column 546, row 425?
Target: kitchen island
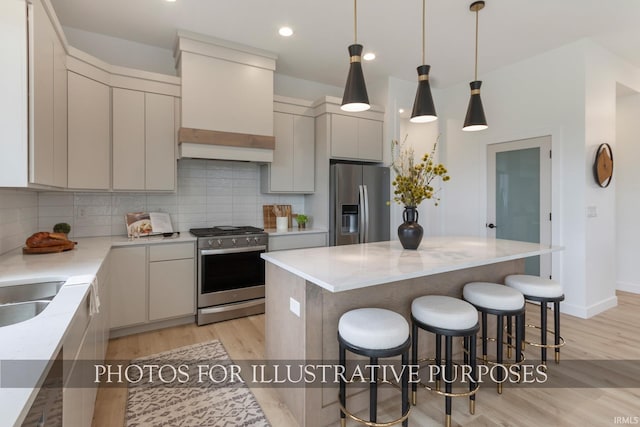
column 321, row 284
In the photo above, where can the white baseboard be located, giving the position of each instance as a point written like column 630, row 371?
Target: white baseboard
column 586, row 312
column 628, row 287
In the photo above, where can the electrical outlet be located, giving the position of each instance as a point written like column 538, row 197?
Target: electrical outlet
column 294, row 306
column 592, row 212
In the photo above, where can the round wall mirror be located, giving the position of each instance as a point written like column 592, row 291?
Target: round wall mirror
column 603, row 165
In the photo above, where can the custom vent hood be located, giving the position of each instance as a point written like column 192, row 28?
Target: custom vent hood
column 227, row 99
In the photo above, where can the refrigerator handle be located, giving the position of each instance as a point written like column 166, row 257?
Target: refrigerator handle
column 361, row 214
column 366, row 214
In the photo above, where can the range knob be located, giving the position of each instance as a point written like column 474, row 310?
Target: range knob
column 234, row 242
column 248, row 240
column 219, row 242
column 210, row 242
column 256, row 240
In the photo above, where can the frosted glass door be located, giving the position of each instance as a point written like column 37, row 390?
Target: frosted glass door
column 519, row 196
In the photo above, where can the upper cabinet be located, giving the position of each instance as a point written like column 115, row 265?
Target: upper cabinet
column 293, row 166
column 227, row 99
column 89, row 134
column 48, row 106
column 352, row 136
column 143, row 140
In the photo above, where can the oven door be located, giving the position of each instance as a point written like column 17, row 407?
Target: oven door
column 230, row 275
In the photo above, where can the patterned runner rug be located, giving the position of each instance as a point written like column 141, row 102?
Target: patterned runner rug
column 186, row 398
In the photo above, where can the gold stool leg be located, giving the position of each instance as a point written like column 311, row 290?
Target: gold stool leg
column 472, row 407
column 557, row 357
column 414, row 398
column 447, row 421
column 343, row 422
column 499, row 388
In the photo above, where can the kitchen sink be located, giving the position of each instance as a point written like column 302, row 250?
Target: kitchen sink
column 21, row 311
column 42, row 291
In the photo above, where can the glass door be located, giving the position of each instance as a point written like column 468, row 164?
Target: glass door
column 519, row 190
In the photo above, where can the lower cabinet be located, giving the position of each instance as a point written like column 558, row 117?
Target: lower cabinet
column 84, row 346
column 297, row 241
column 151, row 283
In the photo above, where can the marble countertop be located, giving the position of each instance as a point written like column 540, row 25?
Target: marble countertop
column 342, row 268
column 40, row 339
column 294, row 231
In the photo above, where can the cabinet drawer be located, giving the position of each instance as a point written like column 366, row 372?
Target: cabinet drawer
column 280, row 243
column 171, row 251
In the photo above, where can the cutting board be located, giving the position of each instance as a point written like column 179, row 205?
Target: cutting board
column 269, row 217
column 50, row 249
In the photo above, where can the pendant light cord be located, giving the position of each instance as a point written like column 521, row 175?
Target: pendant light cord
column 476, row 67
column 424, row 37
column 355, row 21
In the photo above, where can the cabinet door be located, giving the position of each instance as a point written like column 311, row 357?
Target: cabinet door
column 128, row 281
column 128, row 139
column 370, row 140
column 42, row 66
column 171, row 288
column 303, row 154
column 160, row 152
column 282, row 165
column 89, row 133
column 59, row 114
column 344, row 136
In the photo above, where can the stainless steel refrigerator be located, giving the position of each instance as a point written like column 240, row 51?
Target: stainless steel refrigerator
column 359, row 208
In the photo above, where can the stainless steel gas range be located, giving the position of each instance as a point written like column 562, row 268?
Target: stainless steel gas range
column 230, row 272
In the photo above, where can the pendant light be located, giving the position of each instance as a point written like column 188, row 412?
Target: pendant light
column 475, row 119
column 423, row 109
column 355, row 96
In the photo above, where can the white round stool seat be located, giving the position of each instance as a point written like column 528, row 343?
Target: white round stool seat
column 534, row 286
column 493, row 296
column 373, row 328
column 444, row 312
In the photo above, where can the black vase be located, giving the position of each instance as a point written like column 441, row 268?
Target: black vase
column 410, row 232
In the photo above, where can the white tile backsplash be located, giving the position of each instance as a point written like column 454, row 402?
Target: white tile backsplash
column 18, row 217
column 209, row 193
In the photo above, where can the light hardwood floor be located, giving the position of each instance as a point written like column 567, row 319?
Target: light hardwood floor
column 613, row 335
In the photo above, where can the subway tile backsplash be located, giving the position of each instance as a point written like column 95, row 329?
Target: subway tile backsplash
column 210, row 192
column 18, row 217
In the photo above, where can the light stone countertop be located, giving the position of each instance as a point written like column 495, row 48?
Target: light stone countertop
column 41, row 338
column 343, row 268
column 295, row 231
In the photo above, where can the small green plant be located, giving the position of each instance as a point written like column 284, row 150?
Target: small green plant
column 62, row 227
column 302, row 219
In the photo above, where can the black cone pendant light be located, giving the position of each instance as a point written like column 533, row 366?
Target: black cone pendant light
column 355, row 96
column 423, row 109
column 475, row 119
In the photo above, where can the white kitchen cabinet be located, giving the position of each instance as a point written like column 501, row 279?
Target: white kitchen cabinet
column 143, row 141
column 297, row 241
column 48, row 101
column 356, row 138
column 128, row 302
column 171, row 281
column 151, row 283
column 89, row 133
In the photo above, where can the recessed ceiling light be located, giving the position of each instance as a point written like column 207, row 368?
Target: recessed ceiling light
column 401, row 110
column 285, row 31
column 369, row 56
column 170, row 1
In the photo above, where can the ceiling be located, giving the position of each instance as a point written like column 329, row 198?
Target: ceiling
column 510, row 30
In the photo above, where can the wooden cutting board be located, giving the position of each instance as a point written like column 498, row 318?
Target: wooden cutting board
column 49, row 249
column 269, row 217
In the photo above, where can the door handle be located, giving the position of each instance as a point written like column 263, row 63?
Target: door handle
column 491, row 225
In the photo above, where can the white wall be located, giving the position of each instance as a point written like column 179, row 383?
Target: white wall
column 210, row 192
column 303, row 89
column 18, row 217
column 122, row 52
column 627, row 179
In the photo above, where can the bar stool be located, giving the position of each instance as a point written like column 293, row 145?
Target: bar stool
column 501, row 301
column 374, row 333
column 544, row 291
column 448, row 317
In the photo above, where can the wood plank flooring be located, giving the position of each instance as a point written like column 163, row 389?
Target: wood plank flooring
column 613, row 335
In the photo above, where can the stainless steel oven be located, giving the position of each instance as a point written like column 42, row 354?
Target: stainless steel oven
column 230, row 272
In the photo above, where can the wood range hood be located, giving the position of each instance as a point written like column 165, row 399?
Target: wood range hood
column 227, row 99
column 211, row 144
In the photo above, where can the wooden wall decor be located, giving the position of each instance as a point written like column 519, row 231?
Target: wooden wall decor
column 603, row 165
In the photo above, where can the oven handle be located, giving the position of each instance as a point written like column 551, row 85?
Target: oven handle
column 232, row 250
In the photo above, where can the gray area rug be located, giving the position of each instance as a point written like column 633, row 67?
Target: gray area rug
column 193, row 402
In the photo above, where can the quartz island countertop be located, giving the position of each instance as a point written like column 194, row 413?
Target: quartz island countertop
column 343, row 268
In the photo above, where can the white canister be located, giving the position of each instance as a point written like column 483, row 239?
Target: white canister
column 282, row 223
